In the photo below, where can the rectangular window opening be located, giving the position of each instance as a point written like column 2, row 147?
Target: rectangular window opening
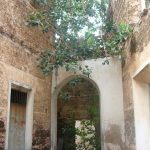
column 18, row 97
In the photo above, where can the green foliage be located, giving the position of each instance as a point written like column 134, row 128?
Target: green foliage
column 39, row 18
column 76, row 81
column 115, row 38
column 87, row 71
column 70, row 126
column 82, row 31
column 41, row 2
column 86, row 133
column 93, row 108
column 68, row 133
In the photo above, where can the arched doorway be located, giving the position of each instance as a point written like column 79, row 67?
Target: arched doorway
column 88, row 95
column 107, row 79
column 78, row 116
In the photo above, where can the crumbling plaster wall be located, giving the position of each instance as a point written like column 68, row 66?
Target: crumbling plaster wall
column 20, row 46
column 108, row 80
column 137, row 53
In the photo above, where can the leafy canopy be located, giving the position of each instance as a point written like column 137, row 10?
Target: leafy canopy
column 82, row 31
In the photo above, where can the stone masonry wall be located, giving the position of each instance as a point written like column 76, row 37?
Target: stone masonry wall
column 82, row 94
column 127, row 11
column 136, row 53
column 20, row 46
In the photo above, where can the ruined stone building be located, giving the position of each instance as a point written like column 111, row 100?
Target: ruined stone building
column 28, row 99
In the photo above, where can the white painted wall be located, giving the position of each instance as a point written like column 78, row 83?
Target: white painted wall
column 141, row 96
column 108, row 80
column 143, row 4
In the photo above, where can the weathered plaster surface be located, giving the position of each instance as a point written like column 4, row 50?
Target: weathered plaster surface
column 137, row 54
column 133, row 62
column 140, row 84
column 108, row 80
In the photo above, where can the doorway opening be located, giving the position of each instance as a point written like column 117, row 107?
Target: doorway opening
column 17, row 120
column 78, row 116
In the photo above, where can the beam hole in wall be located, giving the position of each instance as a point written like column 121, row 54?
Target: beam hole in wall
column 78, row 116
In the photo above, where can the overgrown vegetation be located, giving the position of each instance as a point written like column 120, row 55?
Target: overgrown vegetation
column 89, row 140
column 87, row 134
column 82, row 31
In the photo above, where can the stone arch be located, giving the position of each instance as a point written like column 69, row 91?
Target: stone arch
column 55, row 93
column 67, row 79
column 108, row 81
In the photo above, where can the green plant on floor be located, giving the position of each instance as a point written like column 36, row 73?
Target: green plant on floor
column 86, row 134
column 90, row 139
column 82, row 31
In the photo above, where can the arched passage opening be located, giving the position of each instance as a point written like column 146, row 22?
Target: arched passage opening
column 107, row 78
column 78, row 114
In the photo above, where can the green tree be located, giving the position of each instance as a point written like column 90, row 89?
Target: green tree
column 82, row 31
